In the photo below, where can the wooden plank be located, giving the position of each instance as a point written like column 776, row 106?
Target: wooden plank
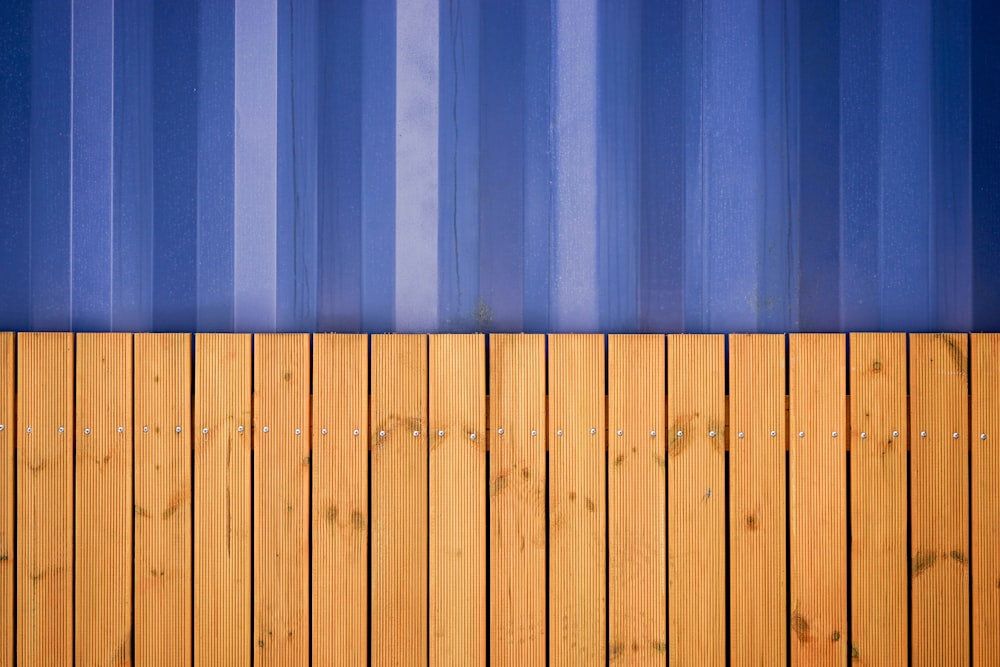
column 6, row 498
column 517, row 500
column 281, row 499
column 222, row 534
column 637, row 486
column 817, row 487
column 878, row 499
column 577, row 519
column 103, row 499
column 340, row 500
column 399, row 499
column 45, row 499
column 696, row 498
column 986, row 499
column 163, row 521
column 457, row 499
column 758, row 577
column 939, row 499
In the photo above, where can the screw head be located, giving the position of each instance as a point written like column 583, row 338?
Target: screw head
column 740, row 435
column 835, row 434
column 356, row 432
column 298, row 431
column 774, row 433
column 86, row 431
column 381, row 434
column 652, row 434
column 145, row 429
column 620, row 433
column 178, row 429
column 441, row 433
column 923, row 434
column 895, row 434
column 239, row 428
column 864, row 436
column 593, row 431
column 324, row 431
column 533, row 433
column 62, row 429
column 29, row 429
column 802, row 434
column 500, row 431
column 680, row 434
column 1, row 427
column 954, row 436
column 472, row 436
column 559, row 432
column 204, row 431
column 267, row 429
column 982, row 436
column 711, row 434
column 416, row 434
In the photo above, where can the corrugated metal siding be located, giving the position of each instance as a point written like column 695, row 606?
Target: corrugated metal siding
column 499, row 165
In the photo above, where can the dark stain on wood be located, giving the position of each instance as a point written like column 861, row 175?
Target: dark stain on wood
column 922, row 561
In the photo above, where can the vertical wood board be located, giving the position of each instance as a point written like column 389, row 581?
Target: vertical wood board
column 45, row 499
column 7, row 561
column 696, row 498
column 163, row 485
column 281, row 499
column 878, row 498
column 457, row 499
column 577, row 523
column 222, row 457
column 517, row 487
column 939, row 498
column 399, row 461
column 637, row 485
column 340, row 500
column 817, row 483
column 758, row 577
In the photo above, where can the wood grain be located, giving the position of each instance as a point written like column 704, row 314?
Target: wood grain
column 517, row 487
column 758, row 577
column 637, row 486
column 222, row 537
column 6, row 499
column 163, row 483
column 939, row 498
column 986, row 499
column 817, row 484
column 878, row 499
column 577, row 523
column 696, row 498
column 399, row 461
column 340, row 516
column 457, row 501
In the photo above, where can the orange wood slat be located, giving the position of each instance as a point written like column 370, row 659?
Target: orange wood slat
column 817, row 483
column 939, row 498
column 45, row 499
column 457, row 499
column 758, row 577
column 340, row 500
column 221, row 499
column 577, row 523
column 986, row 499
column 878, row 498
column 637, row 486
column 281, row 499
column 399, row 462
column 6, row 498
column 104, row 503
column 163, row 521
column 517, row 500
column 696, row 498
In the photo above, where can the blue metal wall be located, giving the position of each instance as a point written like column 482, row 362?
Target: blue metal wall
column 499, row 165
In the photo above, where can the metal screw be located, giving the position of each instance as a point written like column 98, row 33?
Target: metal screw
column 711, row 434
column 982, row 436
column 267, row 429
column 955, row 436
column 1, row 427
column 145, row 429
column 381, row 434
column 774, row 433
column 239, row 428
column 204, row 431
column 441, row 433
column 472, row 436
column 864, row 435
column 593, row 431
column 324, row 431
column 416, row 434
column 298, row 431
column 86, row 431
column 499, row 431
column 652, row 434
column 835, row 434
column 802, row 434
column 356, row 432
column 178, row 429
column 740, row 435
column 559, row 432
column 680, row 434
column 29, row 429
column 62, row 429
column 895, row 434
column 533, row 433
column 620, row 433
column 923, row 434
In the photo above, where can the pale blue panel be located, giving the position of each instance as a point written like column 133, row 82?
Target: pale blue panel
column 574, row 287
column 417, row 207
column 92, row 148
column 459, row 168
column 298, row 75
column 255, row 164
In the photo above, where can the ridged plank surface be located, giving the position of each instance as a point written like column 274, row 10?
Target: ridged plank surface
column 577, row 519
column 637, row 487
column 340, row 500
column 163, row 519
column 399, row 462
column 7, row 561
column 457, row 501
column 696, row 498
column 939, row 498
column 878, row 498
column 758, row 577
column 817, row 487
column 517, row 499
column 281, row 499
column 222, row 500
column 45, row 374
column 986, row 499
column 104, row 507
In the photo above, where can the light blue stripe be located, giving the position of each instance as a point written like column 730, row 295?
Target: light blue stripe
column 417, row 78
column 574, row 287
column 255, row 163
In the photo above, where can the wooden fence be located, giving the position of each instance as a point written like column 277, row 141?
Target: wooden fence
column 398, row 499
